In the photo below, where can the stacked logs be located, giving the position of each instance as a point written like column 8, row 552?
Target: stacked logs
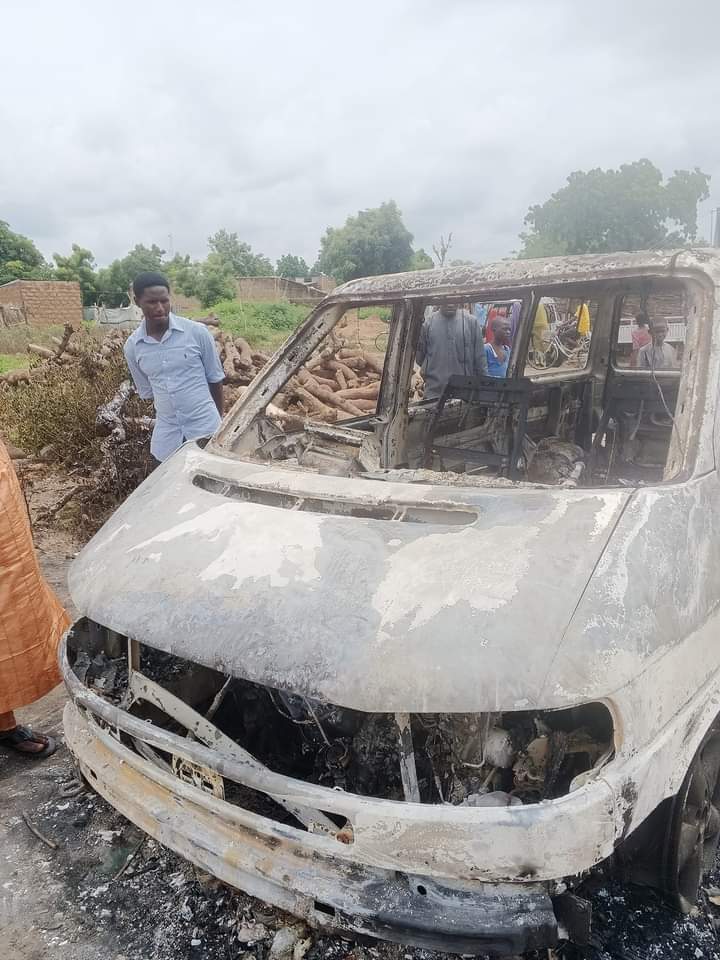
column 338, row 383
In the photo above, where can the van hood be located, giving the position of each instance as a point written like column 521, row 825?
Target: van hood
column 454, row 599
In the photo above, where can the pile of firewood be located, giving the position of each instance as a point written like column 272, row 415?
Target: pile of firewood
column 75, row 406
column 66, row 352
column 338, row 383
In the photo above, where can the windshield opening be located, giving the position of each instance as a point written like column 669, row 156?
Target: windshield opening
column 540, row 388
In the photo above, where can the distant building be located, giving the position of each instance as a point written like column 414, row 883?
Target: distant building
column 279, row 288
column 44, row 302
column 322, row 282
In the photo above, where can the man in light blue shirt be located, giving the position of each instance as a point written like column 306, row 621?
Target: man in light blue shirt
column 174, row 362
column 497, row 349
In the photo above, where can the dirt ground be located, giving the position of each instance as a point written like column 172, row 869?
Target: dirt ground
column 95, row 888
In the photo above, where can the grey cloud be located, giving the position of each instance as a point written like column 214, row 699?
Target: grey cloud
column 147, row 120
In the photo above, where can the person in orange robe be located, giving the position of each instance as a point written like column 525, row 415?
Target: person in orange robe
column 32, row 621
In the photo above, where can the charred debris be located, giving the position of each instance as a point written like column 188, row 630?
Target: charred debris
column 484, row 759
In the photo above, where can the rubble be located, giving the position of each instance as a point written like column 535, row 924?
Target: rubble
column 284, row 943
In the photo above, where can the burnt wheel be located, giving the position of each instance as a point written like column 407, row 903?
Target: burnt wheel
column 695, row 824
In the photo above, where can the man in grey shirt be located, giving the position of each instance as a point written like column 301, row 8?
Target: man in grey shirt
column 657, row 355
column 451, row 342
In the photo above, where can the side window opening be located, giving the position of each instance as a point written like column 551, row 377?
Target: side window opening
column 667, row 313
column 561, row 335
column 637, row 426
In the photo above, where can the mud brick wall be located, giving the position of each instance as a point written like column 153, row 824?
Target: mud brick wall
column 274, row 288
column 45, row 302
column 185, row 306
column 11, row 294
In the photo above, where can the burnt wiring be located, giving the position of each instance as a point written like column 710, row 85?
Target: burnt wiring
column 317, row 721
column 286, row 716
column 300, row 722
column 663, row 401
column 665, row 405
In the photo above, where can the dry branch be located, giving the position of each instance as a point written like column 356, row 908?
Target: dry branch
column 108, row 414
column 62, row 344
column 45, row 352
column 50, row 512
column 14, row 377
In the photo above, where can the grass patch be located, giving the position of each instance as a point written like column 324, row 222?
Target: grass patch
column 265, row 325
column 365, row 313
column 15, row 339
column 13, row 361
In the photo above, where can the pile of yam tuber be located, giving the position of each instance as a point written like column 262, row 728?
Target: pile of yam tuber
column 338, row 383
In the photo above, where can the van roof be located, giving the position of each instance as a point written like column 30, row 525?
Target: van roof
column 507, row 275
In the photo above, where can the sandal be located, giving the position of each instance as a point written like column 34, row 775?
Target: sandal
column 14, row 739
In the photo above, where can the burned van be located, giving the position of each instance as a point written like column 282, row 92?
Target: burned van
column 410, row 663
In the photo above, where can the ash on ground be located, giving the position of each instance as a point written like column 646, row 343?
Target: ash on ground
column 159, row 907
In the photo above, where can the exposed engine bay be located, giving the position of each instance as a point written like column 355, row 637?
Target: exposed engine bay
column 474, row 760
column 488, row 759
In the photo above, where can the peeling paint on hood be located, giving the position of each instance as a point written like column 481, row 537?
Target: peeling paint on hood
column 370, row 614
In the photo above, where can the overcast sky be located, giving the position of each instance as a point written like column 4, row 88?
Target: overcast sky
column 135, row 121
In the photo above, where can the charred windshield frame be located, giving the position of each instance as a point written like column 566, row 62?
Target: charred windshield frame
column 388, row 425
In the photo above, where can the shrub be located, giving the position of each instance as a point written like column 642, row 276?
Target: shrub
column 385, row 313
column 262, row 324
column 59, row 405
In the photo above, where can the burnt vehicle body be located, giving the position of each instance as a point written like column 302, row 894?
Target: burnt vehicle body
column 415, row 674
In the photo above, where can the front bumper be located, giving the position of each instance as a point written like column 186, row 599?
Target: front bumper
column 277, row 863
column 461, row 879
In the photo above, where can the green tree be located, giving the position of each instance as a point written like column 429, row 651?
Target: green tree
column 210, row 280
column 216, row 281
column 79, row 265
column 184, row 274
column 373, row 242
column 601, row 211
column 239, row 256
column 421, row 260
column 291, row 267
column 20, row 259
column 115, row 280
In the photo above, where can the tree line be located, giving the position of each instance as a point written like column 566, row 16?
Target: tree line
column 596, row 211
